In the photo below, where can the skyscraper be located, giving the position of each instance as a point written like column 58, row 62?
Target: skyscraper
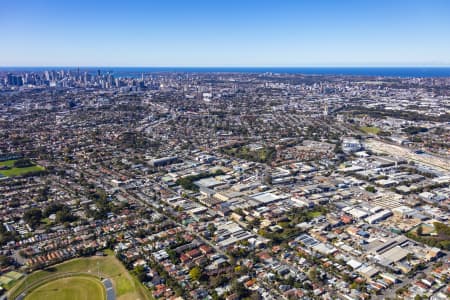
column 15, row 80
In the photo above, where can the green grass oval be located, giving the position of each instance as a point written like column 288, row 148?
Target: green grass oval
column 69, row 288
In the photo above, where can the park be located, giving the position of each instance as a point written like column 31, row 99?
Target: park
column 81, row 278
column 12, row 168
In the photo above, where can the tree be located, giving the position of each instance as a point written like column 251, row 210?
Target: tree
column 33, row 217
column 218, row 280
column 239, row 289
column 173, row 256
column 5, row 260
column 52, row 209
column 371, row 189
column 14, row 203
column 43, row 194
column 313, row 275
column 255, row 222
column 5, row 235
column 401, row 290
column 211, row 228
column 23, row 163
column 139, row 271
column 64, row 215
column 419, row 230
column 195, row 273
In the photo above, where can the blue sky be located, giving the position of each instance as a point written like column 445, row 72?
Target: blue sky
column 224, row 33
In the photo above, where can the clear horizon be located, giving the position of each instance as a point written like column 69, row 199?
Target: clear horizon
column 238, row 66
column 226, row 34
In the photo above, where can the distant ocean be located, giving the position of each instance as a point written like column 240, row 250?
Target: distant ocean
column 351, row 71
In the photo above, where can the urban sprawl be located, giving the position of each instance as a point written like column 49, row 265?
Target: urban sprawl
column 229, row 185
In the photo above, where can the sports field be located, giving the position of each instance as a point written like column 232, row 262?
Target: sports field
column 370, row 130
column 126, row 286
column 17, row 171
column 426, row 229
column 76, row 287
column 314, row 214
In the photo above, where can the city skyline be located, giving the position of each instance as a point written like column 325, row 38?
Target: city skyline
column 228, row 34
